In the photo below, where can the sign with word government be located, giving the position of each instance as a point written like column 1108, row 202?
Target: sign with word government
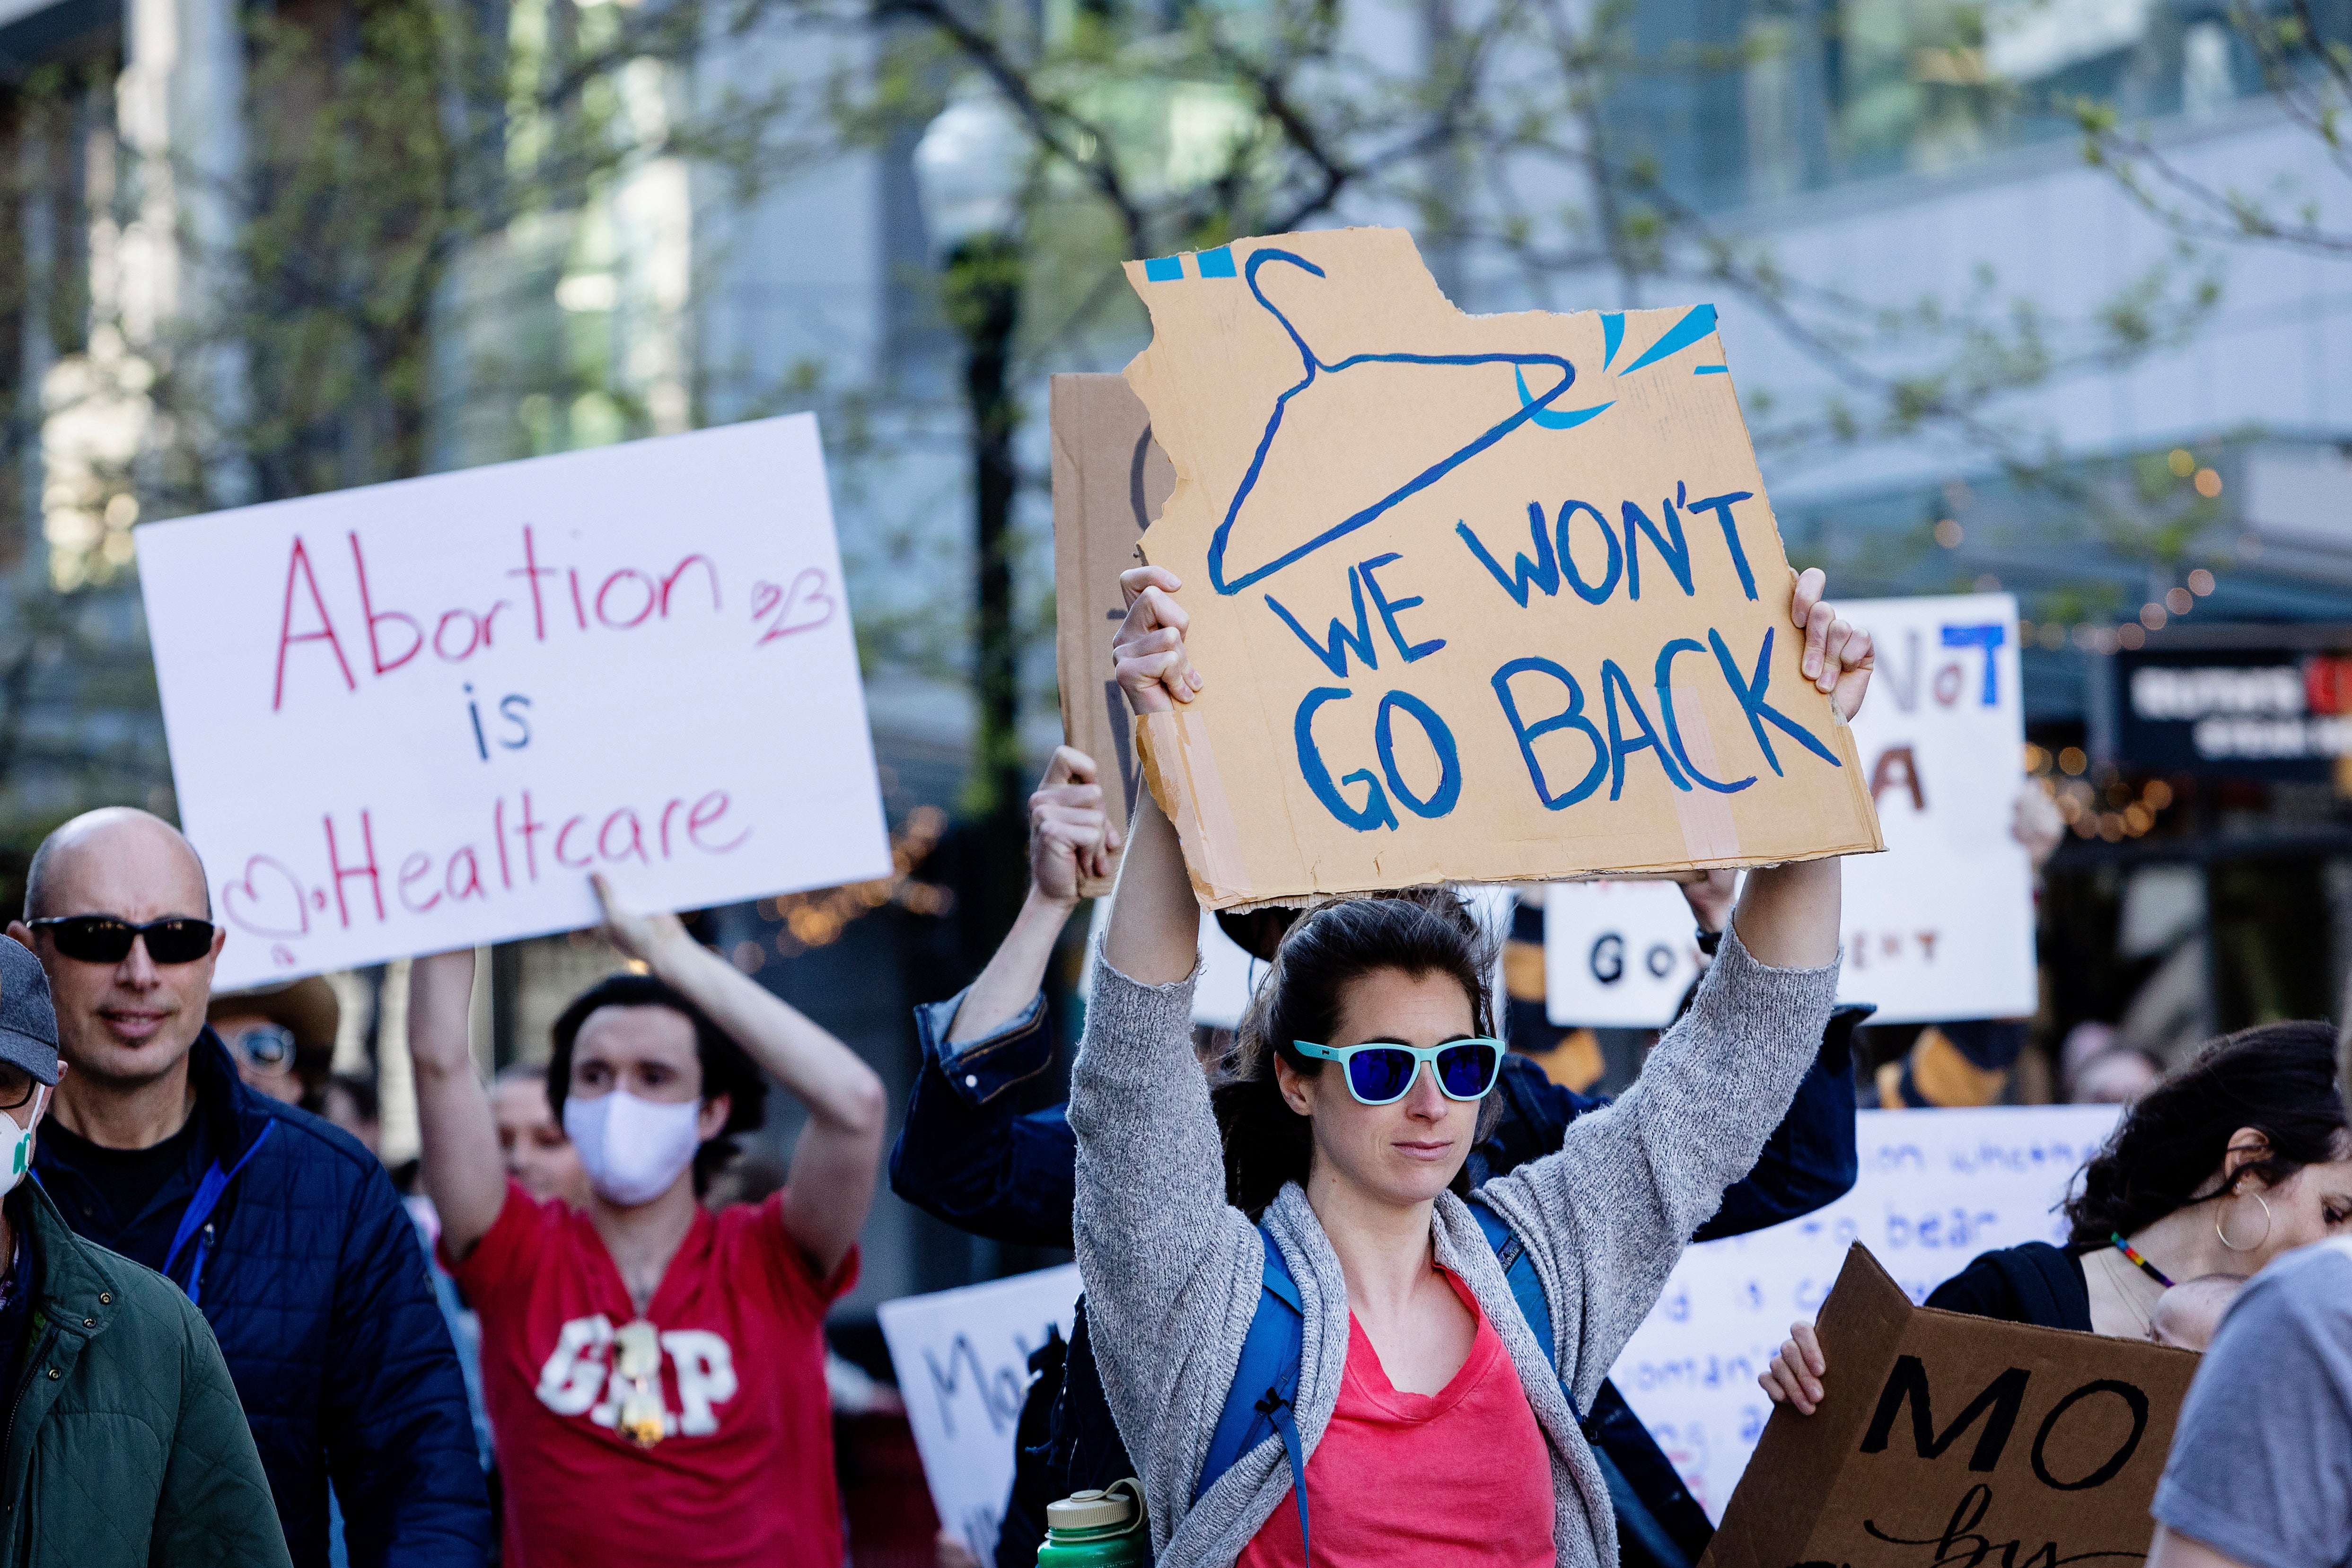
column 1476, row 597
column 416, row 716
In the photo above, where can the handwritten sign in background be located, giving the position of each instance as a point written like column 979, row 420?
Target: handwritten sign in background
column 1941, row 925
column 1935, row 1188
column 416, row 716
column 963, row 1359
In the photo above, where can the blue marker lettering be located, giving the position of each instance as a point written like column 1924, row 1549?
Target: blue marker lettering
column 1989, row 637
column 1673, row 548
column 1335, row 655
column 1612, row 680
column 1542, row 573
column 1584, row 591
column 1441, row 741
column 1571, row 718
column 1389, row 606
column 1666, row 672
column 1721, row 507
column 1751, row 693
column 1375, row 812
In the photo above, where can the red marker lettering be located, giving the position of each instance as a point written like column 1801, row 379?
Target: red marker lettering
column 474, row 637
column 366, row 868
column 286, row 636
column 606, row 593
column 697, row 819
column 499, row 831
column 416, row 865
column 636, row 841
column 584, row 862
column 531, row 825
column 376, row 648
column 473, row 887
column 532, row 570
column 671, row 581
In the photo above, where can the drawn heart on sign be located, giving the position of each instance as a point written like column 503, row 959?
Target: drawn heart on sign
column 260, row 913
column 803, row 607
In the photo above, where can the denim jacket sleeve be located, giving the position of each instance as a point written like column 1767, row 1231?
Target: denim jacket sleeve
column 965, row 1154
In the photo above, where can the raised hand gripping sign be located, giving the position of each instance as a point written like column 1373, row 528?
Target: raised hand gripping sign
column 416, row 716
column 1478, row 598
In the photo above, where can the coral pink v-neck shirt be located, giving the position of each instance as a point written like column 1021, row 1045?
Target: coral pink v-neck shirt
column 1461, row 1476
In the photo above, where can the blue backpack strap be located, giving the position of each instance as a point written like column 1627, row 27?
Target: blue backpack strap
column 1262, row 1401
column 1643, row 1538
column 1527, row 1288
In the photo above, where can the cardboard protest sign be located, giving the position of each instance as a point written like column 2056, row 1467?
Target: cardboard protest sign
column 1941, row 925
column 1935, row 1189
column 1478, row 598
column 1110, row 479
column 1942, row 1435
column 1617, row 954
column 416, row 716
column 963, row 1359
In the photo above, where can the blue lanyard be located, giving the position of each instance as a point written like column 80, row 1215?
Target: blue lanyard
column 200, row 1209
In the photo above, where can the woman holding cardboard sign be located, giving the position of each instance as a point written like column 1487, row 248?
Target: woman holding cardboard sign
column 1370, row 1364
column 2240, row 1155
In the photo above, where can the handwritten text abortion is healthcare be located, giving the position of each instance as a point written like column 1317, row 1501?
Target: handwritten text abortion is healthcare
column 417, row 715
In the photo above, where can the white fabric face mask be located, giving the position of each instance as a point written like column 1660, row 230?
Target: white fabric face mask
column 16, row 1142
column 632, row 1149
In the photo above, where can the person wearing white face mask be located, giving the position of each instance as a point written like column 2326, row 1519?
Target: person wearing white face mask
column 653, row 1372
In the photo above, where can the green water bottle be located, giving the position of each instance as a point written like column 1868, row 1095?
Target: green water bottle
column 1098, row 1529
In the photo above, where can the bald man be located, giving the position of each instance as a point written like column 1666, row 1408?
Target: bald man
column 280, row 1227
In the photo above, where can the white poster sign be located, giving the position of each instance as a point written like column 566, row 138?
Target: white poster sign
column 416, row 716
column 1617, row 954
column 1941, row 925
column 962, row 1358
column 1937, row 1188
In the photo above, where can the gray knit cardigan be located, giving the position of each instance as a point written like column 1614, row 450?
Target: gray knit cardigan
column 1172, row 1272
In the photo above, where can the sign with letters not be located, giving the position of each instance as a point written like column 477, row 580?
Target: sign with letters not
column 1476, row 597
column 1935, row 1189
column 416, row 716
column 1110, row 479
column 1938, row 927
column 1944, row 1438
column 963, row 1359
column 1941, row 925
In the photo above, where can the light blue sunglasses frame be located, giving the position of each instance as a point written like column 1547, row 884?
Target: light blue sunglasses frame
column 1423, row 1056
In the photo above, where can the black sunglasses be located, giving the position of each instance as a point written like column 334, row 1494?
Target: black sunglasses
column 15, row 1085
column 107, row 938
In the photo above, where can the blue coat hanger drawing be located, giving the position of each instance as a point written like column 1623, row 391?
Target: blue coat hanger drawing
column 1534, row 408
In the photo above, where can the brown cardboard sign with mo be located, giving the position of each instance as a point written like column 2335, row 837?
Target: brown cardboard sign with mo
column 1945, row 1441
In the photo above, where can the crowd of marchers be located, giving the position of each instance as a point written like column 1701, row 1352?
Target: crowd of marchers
column 226, row 1338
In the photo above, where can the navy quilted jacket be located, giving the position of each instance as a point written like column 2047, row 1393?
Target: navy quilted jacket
column 311, row 1275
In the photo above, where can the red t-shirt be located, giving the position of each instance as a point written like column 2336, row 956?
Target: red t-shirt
column 1459, row 1477
column 744, row 1473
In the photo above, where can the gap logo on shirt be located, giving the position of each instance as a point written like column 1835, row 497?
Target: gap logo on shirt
column 577, row 1377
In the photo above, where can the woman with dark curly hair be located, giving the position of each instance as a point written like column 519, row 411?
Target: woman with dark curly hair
column 2238, row 1156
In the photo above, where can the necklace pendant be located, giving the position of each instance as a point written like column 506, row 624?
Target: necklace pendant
column 642, row 1420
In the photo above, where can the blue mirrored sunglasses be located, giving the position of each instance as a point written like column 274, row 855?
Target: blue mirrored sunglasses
column 1381, row 1073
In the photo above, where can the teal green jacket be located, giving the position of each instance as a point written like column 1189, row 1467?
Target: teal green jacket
column 124, row 1444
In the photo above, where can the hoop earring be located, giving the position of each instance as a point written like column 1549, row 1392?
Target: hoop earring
column 2251, row 1246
